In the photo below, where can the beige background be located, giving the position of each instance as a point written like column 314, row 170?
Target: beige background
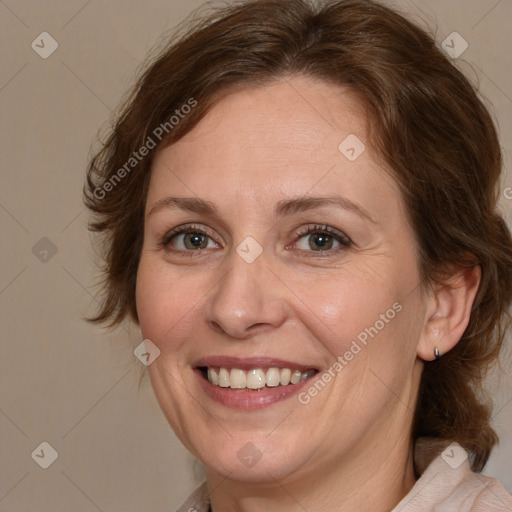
column 61, row 380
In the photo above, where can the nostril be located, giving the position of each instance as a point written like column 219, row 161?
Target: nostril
column 216, row 327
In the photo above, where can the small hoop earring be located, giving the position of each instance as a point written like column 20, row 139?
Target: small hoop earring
column 437, row 354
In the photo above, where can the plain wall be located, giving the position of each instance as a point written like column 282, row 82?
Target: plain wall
column 73, row 385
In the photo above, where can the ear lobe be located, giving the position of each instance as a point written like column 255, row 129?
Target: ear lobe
column 448, row 312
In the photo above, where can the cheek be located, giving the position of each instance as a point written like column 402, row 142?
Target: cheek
column 166, row 304
column 339, row 308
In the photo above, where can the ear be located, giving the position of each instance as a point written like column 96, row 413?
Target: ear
column 448, row 312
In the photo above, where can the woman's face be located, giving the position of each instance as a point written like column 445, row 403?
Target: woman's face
column 275, row 244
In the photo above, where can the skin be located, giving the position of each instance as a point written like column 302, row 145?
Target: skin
column 350, row 447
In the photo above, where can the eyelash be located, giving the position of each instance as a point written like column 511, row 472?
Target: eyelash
column 344, row 241
column 182, row 230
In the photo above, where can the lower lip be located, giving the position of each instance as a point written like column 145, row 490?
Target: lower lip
column 249, row 400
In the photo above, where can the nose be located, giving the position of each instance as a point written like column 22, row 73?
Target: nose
column 248, row 300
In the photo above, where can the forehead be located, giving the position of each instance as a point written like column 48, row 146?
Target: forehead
column 289, row 137
column 300, row 112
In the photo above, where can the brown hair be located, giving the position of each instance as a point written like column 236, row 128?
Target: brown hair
column 429, row 127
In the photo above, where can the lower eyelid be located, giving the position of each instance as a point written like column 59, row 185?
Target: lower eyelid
column 324, row 253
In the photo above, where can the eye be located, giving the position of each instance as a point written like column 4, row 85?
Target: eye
column 321, row 238
column 188, row 238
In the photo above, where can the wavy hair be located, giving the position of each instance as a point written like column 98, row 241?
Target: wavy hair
column 428, row 125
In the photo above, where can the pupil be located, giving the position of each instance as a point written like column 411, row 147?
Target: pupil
column 195, row 241
column 321, row 241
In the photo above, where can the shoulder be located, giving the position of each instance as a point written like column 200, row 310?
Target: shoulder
column 448, row 484
column 491, row 496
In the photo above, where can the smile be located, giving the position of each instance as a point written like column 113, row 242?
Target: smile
column 251, row 383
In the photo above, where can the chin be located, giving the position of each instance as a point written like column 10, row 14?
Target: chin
column 253, row 458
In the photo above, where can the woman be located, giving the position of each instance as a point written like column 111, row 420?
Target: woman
column 299, row 206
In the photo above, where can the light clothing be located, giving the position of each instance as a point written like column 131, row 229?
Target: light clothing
column 446, row 484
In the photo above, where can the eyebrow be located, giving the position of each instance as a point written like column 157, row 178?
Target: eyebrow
column 301, row 204
column 191, row 204
column 283, row 208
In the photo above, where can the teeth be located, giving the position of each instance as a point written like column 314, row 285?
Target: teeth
column 223, row 378
column 296, row 377
column 285, row 375
column 237, row 379
column 256, row 378
column 213, row 376
column 273, row 377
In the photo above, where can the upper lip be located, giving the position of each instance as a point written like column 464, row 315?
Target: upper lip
column 249, row 363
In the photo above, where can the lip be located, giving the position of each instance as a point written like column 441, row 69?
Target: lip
column 249, row 363
column 249, row 400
